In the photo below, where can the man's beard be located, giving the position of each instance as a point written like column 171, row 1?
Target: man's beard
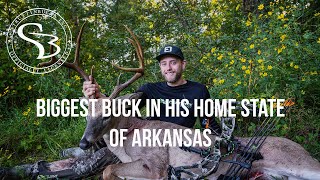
column 178, row 75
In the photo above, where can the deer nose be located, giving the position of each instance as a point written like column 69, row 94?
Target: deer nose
column 84, row 144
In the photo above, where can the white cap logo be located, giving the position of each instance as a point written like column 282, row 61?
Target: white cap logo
column 168, row 49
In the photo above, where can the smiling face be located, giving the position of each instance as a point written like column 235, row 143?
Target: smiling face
column 171, row 69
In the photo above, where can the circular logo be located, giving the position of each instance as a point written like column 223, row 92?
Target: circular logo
column 39, row 35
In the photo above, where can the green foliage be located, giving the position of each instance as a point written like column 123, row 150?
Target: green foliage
column 256, row 49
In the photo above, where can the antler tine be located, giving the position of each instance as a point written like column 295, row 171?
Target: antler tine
column 75, row 65
column 119, row 88
column 138, row 71
column 76, row 55
column 137, row 46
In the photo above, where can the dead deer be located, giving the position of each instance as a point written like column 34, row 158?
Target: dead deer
column 282, row 158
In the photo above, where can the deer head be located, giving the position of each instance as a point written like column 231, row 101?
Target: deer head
column 98, row 125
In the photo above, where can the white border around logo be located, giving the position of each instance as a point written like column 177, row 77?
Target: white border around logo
column 37, row 12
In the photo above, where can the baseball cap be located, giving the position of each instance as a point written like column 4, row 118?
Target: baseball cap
column 170, row 50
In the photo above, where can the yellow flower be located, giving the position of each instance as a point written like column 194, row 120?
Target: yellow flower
column 214, row 80
column 58, row 42
column 238, row 6
column 151, row 25
column 213, row 50
column 291, row 64
column 260, row 61
column 247, row 71
column 221, row 81
column 25, row 113
column 142, row 17
column 77, row 78
column 248, row 23
column 214, row 1
column 269, row 67
column 261, row 6
column 262, row 67
column 231, row 62
column 68, row 84
column 296, row 66
column 29, row 87
column 155, row 4
column 156, row 38
column 251, row 46
column 318, row 41
column 283, row 37
column 243, row 67
column 243, row 60
column 239, row 82
column 265, row 74
column 36, row 122
column 220, row 57
column 281, row 16
column 14, row 69
column 269, row 13
column 232, row 74
column 314, row 73
column 259, row 52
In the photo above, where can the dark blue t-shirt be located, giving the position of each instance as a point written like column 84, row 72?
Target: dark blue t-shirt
column 161, row 90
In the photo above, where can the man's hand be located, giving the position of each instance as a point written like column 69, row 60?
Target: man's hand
column 89, row 89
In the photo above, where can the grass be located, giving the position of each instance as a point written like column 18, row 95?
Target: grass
column 26, row 140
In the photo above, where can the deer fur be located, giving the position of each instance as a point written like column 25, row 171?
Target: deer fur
column 282, row 158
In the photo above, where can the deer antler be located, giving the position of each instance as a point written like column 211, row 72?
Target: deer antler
column 75, row 65
column 138, row 71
